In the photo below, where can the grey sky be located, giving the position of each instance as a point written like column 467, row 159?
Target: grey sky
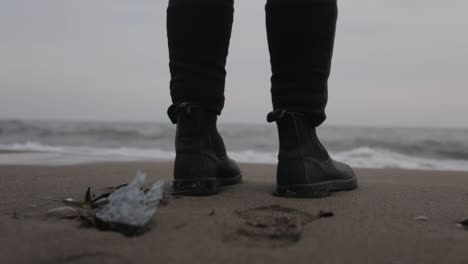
column 396, row 62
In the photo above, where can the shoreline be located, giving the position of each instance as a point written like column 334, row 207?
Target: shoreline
column 48, row 161
column 373, row 224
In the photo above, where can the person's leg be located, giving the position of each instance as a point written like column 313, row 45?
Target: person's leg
column 198, row 35
column 301, row 36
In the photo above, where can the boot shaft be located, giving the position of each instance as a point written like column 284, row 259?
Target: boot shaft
column 297, row 136
column 196, row 130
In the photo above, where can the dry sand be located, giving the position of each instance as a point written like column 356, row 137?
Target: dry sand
column 244, row 223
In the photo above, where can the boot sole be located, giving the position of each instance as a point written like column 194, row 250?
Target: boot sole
column 231, row 180
column 199, row 187
column 203, row 186
column 316, row 190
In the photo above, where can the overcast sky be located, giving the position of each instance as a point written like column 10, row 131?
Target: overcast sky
column 396, row 62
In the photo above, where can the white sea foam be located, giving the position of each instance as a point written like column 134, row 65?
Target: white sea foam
column 31, row 146
column 64, row 155
column 381, row 158
column 364, row 157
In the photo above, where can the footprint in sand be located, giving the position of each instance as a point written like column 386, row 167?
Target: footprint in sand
column 269, row 226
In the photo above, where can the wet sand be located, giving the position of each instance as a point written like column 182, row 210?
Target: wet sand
column 244, row 223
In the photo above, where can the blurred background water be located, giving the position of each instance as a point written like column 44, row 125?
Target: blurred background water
column 69, row 142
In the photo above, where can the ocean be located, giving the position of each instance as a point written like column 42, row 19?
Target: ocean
column 73, row 142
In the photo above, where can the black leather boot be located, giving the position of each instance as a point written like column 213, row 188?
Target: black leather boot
column 201, row 163
column 304, row 167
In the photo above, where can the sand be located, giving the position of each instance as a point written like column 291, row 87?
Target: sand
column 244, row 223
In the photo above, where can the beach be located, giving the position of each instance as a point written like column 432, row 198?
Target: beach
column 377, row 223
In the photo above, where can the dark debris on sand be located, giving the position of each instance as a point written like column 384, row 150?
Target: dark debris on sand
column 463, row 223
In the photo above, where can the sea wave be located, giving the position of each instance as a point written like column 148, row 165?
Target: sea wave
column 134, row 153
column 363, row 157
column 84, row 129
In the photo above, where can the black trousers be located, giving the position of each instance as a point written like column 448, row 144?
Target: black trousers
column 300, row 37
